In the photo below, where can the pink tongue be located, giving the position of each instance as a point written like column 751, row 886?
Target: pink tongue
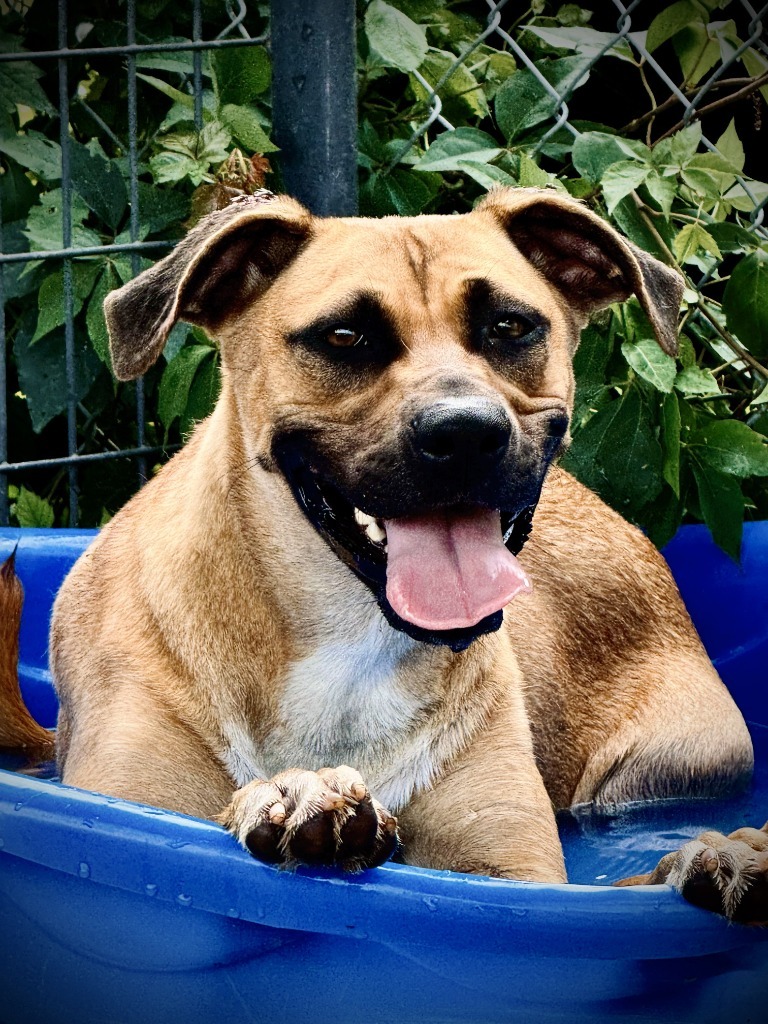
column 450, row 570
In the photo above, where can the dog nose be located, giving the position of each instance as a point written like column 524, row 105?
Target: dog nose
column 456, row 430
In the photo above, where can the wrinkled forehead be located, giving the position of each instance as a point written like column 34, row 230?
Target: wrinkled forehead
column 417, row 263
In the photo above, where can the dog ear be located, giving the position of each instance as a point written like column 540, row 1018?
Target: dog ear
column 586, row 259
column 228, row 259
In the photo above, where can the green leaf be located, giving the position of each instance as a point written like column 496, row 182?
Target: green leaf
column 240, row 74
column 709, row 174
column 695, row 380
column 675, row 152
column 99, row 184
column 50, row 298
column 398, row 41
column 487, row 175
column 690, row 239
column 34, row 152
column 160, row 207
column 696, row 51
column 661, row 518
column 450, row 148
column 180, row 63
column 663, row 190
column 722, row 506
column 203, row 394
column 32, row 511
column 168, row 167
column 617, row 453
column 732, row 237
column 669, row 22
column 44, row 229
column 671, row 426
column 531, row 175
column 523, row 102
column 745, row 302
column 176, row 381
column 242, row 123
column 400, row 192
column 620, row 179
column 584, row 40
column 595, row 152
column 18, row 84
column 461, row 86
column 740, row 199
column 176, row 340
column 43, row 376
column 94, row 317
column 627, row 217
column 649, row 362
column 730, row 446
column 499, row 67
column 730, row 147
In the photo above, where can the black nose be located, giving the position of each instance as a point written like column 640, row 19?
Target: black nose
column 457, row 430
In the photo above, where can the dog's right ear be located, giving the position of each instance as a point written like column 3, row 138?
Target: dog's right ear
column 228, row 259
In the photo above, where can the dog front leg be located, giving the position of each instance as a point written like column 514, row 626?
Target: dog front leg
column 304, row 817
column 489, row 813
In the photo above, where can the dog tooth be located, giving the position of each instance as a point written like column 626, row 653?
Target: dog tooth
column 362, row 518
column 375, row 532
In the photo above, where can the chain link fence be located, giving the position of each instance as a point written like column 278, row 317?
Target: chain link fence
column 131, row 54
column 692, row 105
column 736, row 59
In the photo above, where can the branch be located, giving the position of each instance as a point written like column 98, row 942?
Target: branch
column 670, row 101
column 732, row 343
column 755, row 84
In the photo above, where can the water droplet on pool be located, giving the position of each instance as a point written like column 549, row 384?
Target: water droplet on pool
column 150, row 889
column 184, row 900
column 176, row 844
column 431, row 902
column 18, row 806
column 87, row 822
column 2, row 843
column 84, row 870
column 232, row 912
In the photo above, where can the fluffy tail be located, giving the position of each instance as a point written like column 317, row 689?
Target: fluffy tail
column 18, row 729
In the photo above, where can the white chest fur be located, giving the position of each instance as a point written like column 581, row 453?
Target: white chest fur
column 349, row 702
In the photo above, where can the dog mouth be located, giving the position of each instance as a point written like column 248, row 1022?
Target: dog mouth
column 442, row 576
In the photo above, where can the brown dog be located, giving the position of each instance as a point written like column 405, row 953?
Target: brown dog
column 318, row 578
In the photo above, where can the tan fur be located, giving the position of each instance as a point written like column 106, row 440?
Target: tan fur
column 18, row 730
column 209, row 597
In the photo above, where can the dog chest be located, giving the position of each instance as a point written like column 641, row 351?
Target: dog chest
column 348, row 702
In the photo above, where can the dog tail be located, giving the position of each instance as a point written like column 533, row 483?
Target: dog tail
column 18, row 729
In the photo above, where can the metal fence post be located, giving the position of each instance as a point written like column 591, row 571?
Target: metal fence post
column 315, row 102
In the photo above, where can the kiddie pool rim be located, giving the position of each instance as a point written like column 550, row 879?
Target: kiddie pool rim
column 190, row 862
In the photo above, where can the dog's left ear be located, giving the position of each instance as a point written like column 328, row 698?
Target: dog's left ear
column 224, row 262
column 586, row 259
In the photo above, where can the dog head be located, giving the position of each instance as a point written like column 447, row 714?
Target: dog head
column 409, row 378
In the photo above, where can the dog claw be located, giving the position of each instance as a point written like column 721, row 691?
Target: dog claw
column 710, row 861
column 277, row 814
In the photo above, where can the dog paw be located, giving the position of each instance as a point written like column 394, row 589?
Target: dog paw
column 726, row 874
column 302, row 817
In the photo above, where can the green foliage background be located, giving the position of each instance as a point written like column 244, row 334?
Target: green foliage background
column 663, row 440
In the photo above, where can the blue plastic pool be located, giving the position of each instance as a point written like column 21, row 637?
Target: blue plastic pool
column 116, row 913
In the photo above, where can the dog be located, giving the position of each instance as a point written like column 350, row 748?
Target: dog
column 363, row 609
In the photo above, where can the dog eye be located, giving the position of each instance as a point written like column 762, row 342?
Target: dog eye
column 344, row 337
column 510, row 329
